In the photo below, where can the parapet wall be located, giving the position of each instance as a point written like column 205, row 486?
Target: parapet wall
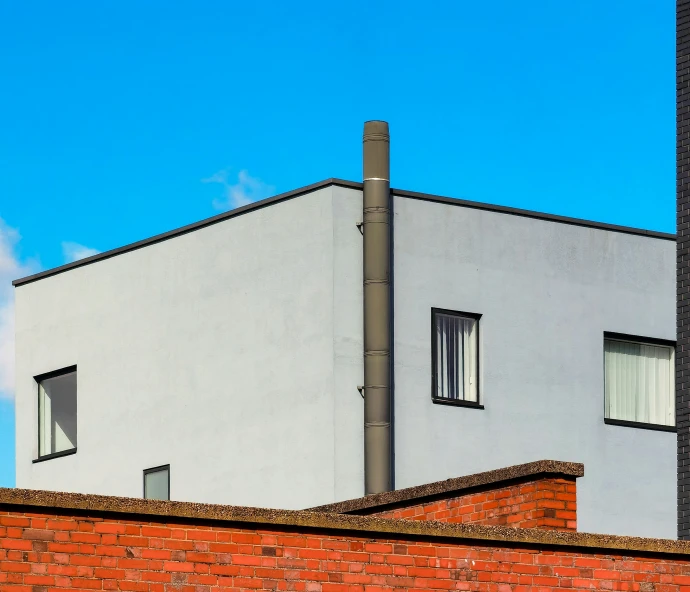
column 541, row 494
column 53, row 541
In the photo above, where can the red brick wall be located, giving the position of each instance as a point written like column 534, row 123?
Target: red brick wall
column 46, row 553
column 546, row 503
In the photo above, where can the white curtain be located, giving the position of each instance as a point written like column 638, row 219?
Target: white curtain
column 456, row 357
column 45, row 422
column 639, row 382
column 57, row 414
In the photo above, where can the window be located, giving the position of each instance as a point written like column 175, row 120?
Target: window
column 454, row 348
column 157, row 483
column 639, row 383
column 57, row 413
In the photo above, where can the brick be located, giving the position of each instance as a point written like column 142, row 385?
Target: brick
column 133, row 586
column 158, row 576
column 38, row 535
column 201, row 535
column 39, row 580
column 86, row 584
column 85, row 537
column 110, row 550
column 16, row 544
column 20, row 521
column 85, row 560
column 163, row 554
column 61, row 525
column 178, row 566
column 10, row 566
column 156, row 531
column 128, row 563
column 202, row 557
column 109, row 528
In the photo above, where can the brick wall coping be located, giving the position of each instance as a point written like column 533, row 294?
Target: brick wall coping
column 379, row 501
column 50, row 502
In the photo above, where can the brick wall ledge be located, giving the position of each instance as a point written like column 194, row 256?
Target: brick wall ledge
column 528, row 471
column 165, row 512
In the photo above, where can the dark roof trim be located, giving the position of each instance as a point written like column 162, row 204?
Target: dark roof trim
column 531, row 214
column 186, row 229
column 340, row 183
column 52, row 502
column 457, row 486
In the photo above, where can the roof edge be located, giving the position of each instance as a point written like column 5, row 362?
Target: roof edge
column 163, row 511
column 340, row 183
column 498, row 477
column 185, row 229
column 533, row 214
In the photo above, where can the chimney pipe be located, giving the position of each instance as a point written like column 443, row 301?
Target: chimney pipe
column 377, row 302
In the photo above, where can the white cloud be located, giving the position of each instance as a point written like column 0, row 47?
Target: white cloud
column 247, row 190
column 74, row 251
column 11, row 268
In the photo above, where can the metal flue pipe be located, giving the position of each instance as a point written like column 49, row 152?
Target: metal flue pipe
column 377, row 303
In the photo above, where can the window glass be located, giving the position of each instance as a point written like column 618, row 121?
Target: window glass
column 455, row 355
column 57, row 414
column 639, row 382
column 156, row 483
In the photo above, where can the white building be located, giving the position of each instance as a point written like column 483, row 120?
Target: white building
column 231, row 350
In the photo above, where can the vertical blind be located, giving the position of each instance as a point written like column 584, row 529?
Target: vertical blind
column 639, row 382
column 456, row 357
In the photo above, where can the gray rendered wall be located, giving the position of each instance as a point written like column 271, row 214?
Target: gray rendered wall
column 212, row 351
column 348, row 344
column 234, row 352
column 547, row 292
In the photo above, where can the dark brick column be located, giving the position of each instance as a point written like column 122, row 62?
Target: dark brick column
column 683, row 262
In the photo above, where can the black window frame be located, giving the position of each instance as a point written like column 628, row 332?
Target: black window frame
column 453, row 402
column 644, row 341
column 157, row 469
column 40, row 378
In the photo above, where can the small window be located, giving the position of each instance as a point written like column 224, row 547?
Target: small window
column 57, row 413
column 639, row 381
column 157, row 483
column 454, row 357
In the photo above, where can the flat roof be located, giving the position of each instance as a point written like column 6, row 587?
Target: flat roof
column 340, row 183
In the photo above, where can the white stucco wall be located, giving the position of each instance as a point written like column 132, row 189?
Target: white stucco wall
column 348, row 344
column 234, row 353
column 547, row 292
column 212, row 351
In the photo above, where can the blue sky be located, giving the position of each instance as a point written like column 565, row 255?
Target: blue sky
column 124, row 119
